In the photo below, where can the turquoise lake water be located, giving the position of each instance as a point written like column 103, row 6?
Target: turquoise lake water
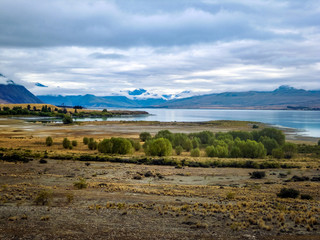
column 307, row 122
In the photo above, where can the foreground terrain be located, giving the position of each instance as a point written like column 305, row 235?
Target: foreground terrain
column 66, row 199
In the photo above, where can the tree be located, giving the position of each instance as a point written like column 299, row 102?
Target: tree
column 274, row 134
column 85, row 140
column 179, row 150
column 158, row 147
column 67, row 119
column 278, row 153
column 121, row 146
column 66, row 143
column 49, row 141
column 105, row 146
column 74, row 143
column 165, row 134
column 195, row 152
column 289, row 150
column 144, row 136
column 268, row 143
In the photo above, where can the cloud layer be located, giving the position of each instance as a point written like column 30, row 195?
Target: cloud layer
column 103, row 47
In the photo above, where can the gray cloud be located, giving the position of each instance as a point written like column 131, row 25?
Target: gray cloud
column 104, row 47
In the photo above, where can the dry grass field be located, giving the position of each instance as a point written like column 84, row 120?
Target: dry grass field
column 67, row 199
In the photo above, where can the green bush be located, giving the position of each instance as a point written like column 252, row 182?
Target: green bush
column 178, row 150
column 85, row 141
column 268, row 143
column 278, row 153
column 135, row 144
column 195, row 152
column 288, row 193
column 165, row 134
column 273, row 134
column 67, row 119
column 49, row 141
column 74, row 143
column 121, row 146
column 66, row 143
column 211, row 151
column 105, row 146
column 289, row 150
column 158, row 147
column 144, row 136
column 92, row 145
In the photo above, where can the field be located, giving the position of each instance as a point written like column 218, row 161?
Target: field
column 52, row 197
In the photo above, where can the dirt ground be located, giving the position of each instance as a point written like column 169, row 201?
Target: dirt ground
column 128, row 201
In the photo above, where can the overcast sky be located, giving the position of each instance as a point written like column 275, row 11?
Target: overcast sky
column 167, row 46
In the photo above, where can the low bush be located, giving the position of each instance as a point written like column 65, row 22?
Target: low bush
column 288, row 193
column 82, row 183
column 178, row 150
column 74, row 143
column 144, row 136
column 258, row 174
column 66, row 143
column 195, row 152
column 306, row 197
column 85, row 141
column 49, row 141
column 44, row 197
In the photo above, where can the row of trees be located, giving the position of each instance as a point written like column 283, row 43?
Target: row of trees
column 233, row 144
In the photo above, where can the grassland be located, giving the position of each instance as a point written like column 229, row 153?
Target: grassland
column 69, row 199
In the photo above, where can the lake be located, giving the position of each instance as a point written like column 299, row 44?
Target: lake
column 307, row 122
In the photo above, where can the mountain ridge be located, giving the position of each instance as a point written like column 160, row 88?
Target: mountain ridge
column 284, row 97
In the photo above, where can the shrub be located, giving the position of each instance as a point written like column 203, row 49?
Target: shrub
column 144, row 136
column 277, row 153
column 211, row 151
column 306, row 197
column 82, row 183
column 74, row 143
column 67, row 119
column 105, row 146
column 44, row 197
column 195, row 152
column 135, row 144
column 49, row 141
column 288, row 193
column 43, row 161
column 179, row 150
column 92, row 145
column 319, row 142
column 258, row 174
column 121, row 146
column 158, row 147
column 268, row 143
column 187, row 145
column 85, row 141
column 195, row 142
column 289, row 150
column 252, row 149
column 273, row 134
column 66, row 143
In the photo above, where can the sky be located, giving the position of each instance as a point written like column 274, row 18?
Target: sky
column 76, row 47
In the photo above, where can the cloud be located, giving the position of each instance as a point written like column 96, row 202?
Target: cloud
column 105, row 47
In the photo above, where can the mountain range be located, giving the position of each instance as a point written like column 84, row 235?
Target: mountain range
column 284, row 97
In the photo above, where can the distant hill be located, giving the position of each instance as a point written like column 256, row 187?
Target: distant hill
column 284, row 97
column 100, row 102
column 12, row 93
